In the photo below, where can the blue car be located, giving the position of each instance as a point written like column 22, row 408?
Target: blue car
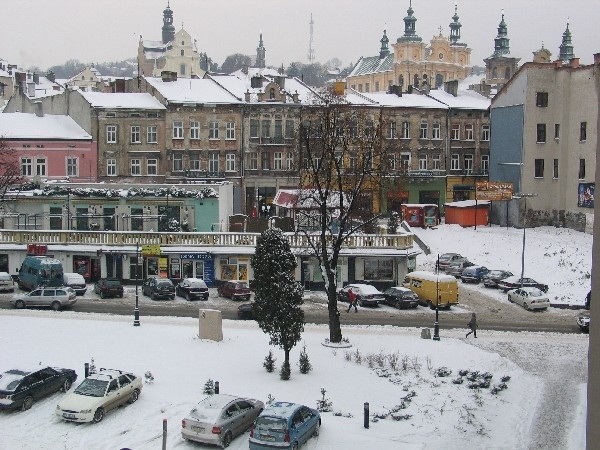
column 284, row 425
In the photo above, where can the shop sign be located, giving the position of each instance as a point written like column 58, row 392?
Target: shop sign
column 421, row 173
column 150, row 250
column 195, row 256
column 493, row 190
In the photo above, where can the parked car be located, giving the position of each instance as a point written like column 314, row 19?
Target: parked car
column 583, row 322
column 192, row 289
column 55, row 298
column 158, row 288
column 473, row 274
column 445, row 259
column 219, row 418
column 491, row 278
column 366, row 295
column 529, row 298
column 284, row 425
column 7, row 283
column 109, row 287
column 400, row 297
column 514, row 282
column 245, row 311
column 455, row 268
column 20, row 388
column 76, row 282
column 235, row 290
column 99, row 393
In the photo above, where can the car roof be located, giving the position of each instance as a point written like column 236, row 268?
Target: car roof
column 216, row 401
column 530, row 289
column 108, row 374
column 400, row 288
column 281, row 410
column 194, row 280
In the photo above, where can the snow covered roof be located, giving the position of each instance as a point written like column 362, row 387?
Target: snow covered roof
column 122, row 100
column 192, row 90
column 372, row 64
column 406, row 100
column 30, row 126
column 304, row 199
column 466, row 99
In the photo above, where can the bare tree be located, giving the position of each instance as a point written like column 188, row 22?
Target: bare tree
column 10, row 174
column 343, row 159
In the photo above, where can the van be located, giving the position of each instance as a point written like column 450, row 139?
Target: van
column 75, row 281
column 38, row 271
column 6, row 282
column 430, row 286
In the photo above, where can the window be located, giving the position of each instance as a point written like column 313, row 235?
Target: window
column 555, row 169
column 469, row 132
column 423, row 162
column 194, row 130
column 152, row 167
column 213, row 130
column 485, row 164
column 265, row 161
column 455, row 132
column 41, row 166
column 469, row 164
column 541, row 133
column 360, row 88
column 151, row 134
column 582, row 131
column 26, row 166
column 182, row 69
column 213, row 162
column 405, row 130
column 230, row 130
column 72, row 166
column 111, row 134
column 485, row 132
column 177, row 129
column 377, row 86
column 253, row 161
column 392, row 130
column 557, row 131
column 352, row 162
column 136, row 222
column 289, row 161
column 230, row 162
column 379, row 269
column 436, row 162
column 435, row 131
column 278, row 130
column 195, row 161
column 177, row 161
column 111, row 167
column 265, row 128
column 541, row 99
column 405, row 161
column 254, row 128
column 539, row 168
column 56, row 218
column 455, row 162
column 135, row 134
column 277, row 160
column 289, row 129
column 391, row 161
column 136, row 167
column 423, row 131
column 367, row 87
column 581, row 168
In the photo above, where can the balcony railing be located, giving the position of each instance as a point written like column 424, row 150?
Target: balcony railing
column 399, row 241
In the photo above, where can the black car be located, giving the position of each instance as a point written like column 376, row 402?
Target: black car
column 192, row 289
column 400, row 297
column 491, row 278
column 583, row 322
column 159, row 288
column 19, row 388
column 515, row 282
column 109, row 287
column 245, row 311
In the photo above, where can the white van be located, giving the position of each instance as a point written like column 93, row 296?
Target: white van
column 75, row 281
column 6, row 282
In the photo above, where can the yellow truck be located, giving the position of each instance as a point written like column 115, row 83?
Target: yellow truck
column 433, row 288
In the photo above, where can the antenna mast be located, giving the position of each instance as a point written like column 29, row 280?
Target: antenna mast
column 311, row 51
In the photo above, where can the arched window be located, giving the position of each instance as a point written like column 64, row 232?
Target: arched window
column 507, row 73
column 272, row 93
column 182, row 52
column 494, row 72
column 416, row 81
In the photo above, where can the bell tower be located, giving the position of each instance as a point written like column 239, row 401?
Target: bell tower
column 168, row 30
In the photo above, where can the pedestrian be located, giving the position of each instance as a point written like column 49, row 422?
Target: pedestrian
column 588, row 297
column 472, row 325
column 352, row 300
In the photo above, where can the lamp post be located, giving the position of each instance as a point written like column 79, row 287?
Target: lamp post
column 524, row 197
column 436, row 325
column 136, row 311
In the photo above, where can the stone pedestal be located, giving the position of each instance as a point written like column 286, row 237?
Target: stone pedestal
column 211, row 324
column 425, row 333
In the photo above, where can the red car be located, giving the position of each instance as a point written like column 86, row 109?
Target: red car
column 235, row 290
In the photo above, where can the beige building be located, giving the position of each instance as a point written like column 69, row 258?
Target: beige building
column 412, row 62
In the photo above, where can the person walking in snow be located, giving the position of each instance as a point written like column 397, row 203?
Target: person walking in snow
column 352, row 300
column 472, row 325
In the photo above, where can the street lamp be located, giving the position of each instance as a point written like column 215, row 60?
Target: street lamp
column 524, row 197
column 436, row 325
column 136, row 311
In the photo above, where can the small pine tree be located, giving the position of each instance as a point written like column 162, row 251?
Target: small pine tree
column 269, row 363
column 304, row 362
column 285, row 371
column 92, row 367
column 392, row 225
column 209, row 387
column 323, row 404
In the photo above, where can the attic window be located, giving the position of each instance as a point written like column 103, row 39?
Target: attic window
column 152, row 114
column 111, row 114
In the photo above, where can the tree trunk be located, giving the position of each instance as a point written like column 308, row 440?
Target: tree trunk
column 335, row 331
column 286, row 359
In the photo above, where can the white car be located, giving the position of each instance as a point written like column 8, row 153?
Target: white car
column 529, row 298
column 97, row 394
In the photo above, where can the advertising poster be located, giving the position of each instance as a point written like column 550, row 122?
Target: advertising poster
column 585, row 195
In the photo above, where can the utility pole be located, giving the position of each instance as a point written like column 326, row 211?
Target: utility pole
column 311, row 50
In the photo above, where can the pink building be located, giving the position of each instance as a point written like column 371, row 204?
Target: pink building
column 51, row 147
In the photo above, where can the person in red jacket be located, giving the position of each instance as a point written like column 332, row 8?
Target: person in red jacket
column 352, row 299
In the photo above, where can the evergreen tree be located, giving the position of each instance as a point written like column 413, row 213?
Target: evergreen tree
column 304, row 362
column 392, row 225
column 277, row 295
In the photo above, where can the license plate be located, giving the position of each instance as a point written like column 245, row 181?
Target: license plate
column 68, row 416
column 267, row 437
column 197, row 429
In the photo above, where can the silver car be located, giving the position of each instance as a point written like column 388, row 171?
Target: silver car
column 219, row 418
column 53, row 297
column 529, row 298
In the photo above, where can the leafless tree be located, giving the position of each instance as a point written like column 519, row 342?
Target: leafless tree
column 10, row 174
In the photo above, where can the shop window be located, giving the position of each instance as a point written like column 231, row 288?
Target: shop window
column 379, row 269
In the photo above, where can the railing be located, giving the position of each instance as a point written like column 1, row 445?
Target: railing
column 399, row 241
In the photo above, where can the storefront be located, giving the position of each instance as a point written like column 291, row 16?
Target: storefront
column 195, row 265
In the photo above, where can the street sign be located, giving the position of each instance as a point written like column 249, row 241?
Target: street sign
column 493, row 190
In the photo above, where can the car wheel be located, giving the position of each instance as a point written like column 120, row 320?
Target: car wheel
column 295, row 446
column 27, row 403
column 152, row 296
column 56, row 306
column 134, row 396
column 102, row 295
column 227, row 439
column 98, row 415
column 398, row 304
column 525, row 306
column 317, row 429
column 66, row 385
column 121, row 295
column 359, row 302
column 20, row 304
column 172, row 297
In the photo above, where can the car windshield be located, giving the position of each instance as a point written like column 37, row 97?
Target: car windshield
column 271, row 423
column 92, row 387
column 164, row 284
column 10, row 380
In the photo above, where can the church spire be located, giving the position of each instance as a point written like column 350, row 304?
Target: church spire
column 410, row 33
column 501, row 43
column 260, row 54
column 455, row 26
column 384, row 51
column 168, row 30
column 566, row 48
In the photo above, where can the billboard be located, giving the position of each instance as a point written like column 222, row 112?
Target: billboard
column 585, row 195
column 493, row 190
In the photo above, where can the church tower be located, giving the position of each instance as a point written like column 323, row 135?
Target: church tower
column 566, row 48
column 260, row 54
column 500, row 66
column 168, row 29
column 455, row 27
column 385, row 50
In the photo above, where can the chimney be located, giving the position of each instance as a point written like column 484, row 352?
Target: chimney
column 247, row 96
column 296, row 97
column 597, row 59
column 451, row 87
column 280, row 81
column 31, row 89
column 558, row 63
column 574, row 63
column 168, row 76
column 36, row 78
column 39, row 109
column 261, row 96
column 255, row 82
column 51, row 76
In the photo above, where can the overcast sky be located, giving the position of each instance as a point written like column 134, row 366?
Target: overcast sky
column 45, row 33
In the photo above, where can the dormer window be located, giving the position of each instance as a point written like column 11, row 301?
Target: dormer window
column 272, row 93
